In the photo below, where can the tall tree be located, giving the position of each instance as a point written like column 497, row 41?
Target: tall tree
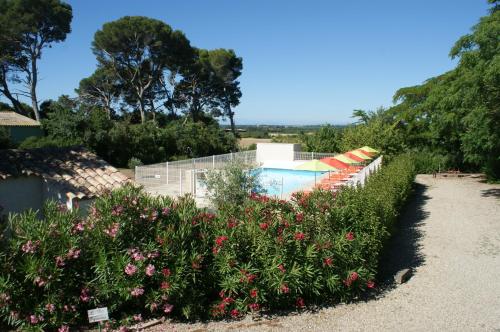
column 209, row 85
column 100, row 89
column 28, row 26
column 140, row 51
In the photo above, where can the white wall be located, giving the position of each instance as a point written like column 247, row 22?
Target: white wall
column 20, row 194
column 276, row 151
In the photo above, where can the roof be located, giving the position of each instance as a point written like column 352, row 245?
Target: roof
column 12, row 119
column 74, row 171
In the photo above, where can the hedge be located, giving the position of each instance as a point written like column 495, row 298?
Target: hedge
column 143, row 256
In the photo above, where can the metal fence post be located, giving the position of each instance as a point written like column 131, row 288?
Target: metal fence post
column 180, row 182
column 167, row 172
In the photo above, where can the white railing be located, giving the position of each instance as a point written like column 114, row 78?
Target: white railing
column 176, row 178
column 299, row 155
column 361, row 177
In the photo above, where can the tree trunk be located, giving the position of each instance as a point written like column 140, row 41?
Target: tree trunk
column 33, row 82
column 6, row 92
column 231, row 119
column 141, row 109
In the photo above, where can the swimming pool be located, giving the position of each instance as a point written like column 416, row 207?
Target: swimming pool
column 273, row 179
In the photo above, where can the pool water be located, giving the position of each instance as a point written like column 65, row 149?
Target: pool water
column 272, row 179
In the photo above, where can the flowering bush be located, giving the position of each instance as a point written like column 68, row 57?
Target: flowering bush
column 142, row 256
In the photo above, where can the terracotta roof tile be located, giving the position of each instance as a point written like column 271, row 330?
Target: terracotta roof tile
column 11, row 119
column 75, row 170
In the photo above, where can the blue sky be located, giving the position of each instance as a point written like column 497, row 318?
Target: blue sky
column 305, row 62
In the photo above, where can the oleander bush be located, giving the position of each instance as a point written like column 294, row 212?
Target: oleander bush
column 142, row 256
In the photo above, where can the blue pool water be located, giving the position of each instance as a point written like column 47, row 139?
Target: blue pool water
column 292, row 180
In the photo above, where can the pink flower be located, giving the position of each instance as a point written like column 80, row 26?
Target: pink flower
column 40, row 282
column 137, row 317
column 165, row 211
column 150, row 270
column 78, row 227
column 281, row 268
column 130, row 269
column 60, row 261
column 254, row 306
column 73, row 253
column 113, row 230
column 84, row 295
column 136, row 292
column 232, row 223
column 4, row 299
column 63, row 328
column 117, row 210
column 300, row 302
column 30, row 247
column 299, row 236
column 153, row 254
column 167, row 308
column 165, row 285
column 253, row 293
column 284, row 289
column 123, row 329
column 349, row 236
column 165, row 271
column 370, row 284
column 235, row 313
column 33, row 319
column 136, row 254
column 354, row 276
column 299, row 217
column 264, row 226
column 50, row 307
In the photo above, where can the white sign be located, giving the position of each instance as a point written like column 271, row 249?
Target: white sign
column 98, row 315
column 157, row 176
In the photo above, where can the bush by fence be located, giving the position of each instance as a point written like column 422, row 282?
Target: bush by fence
column 142, row 256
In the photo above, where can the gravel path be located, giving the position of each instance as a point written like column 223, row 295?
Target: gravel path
column 450, row 236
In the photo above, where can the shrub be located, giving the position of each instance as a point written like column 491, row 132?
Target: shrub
column 137, row 254
column 133, row 162
column 431, row 162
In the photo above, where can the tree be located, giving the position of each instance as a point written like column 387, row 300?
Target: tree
column 27, row 27
column 209, row 85
column 100, row 89
column 140, row 51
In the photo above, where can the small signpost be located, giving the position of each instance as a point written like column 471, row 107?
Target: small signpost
column 98, row 315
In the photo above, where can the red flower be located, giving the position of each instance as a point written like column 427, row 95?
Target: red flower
column 165, row 271
column 299, row 217
column 231, row 223
column 235, row 313
column 165, row 285
column 264, row 226
column 328, row 261
column 281, row 268
column 300, row 302
column 251, row 277
column 370, row 284
column 284, row 289
column 254, row 306
column 349, row 236
column 253, row 293
column 220, row 240
column 354, row 276
column 299, row 236
column 222, row 294
column 228, row 300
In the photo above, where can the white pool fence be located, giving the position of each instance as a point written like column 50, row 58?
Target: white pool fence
column 176, row 178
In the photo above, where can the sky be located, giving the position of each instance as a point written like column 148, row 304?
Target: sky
column 304, row 62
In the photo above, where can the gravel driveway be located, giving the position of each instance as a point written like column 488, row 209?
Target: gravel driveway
column 450, row 236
